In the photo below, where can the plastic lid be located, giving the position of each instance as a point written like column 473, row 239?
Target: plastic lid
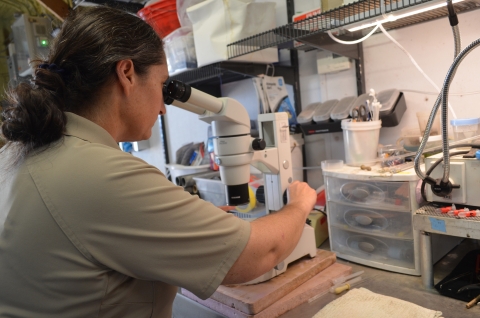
column 388, row 98
column 477, row 154
column 342, row 109
column 322, row 112
column 465, row 121
column 306, row 116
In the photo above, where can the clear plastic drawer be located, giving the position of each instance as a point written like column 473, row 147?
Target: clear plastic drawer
column 380, row 195
column 374, row 250
column 371, row 221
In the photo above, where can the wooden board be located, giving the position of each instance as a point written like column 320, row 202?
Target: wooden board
column 311, row 289
column 252, row 299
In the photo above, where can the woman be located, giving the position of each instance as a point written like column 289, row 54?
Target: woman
column 91, row 231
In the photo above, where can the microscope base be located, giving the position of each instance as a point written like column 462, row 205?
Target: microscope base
column 306, row 246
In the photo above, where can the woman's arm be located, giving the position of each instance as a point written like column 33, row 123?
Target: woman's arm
column 273, row 237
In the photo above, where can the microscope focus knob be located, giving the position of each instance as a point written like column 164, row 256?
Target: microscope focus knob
column 258, row 144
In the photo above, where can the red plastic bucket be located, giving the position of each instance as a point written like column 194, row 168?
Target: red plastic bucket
column 162, row 16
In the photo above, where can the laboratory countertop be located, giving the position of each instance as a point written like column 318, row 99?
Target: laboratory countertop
column 401, row 286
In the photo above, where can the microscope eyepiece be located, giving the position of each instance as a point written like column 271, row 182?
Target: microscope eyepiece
column 176, row 90
column 166, row 98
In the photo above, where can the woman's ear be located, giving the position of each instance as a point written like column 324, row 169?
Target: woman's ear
column 125, row 74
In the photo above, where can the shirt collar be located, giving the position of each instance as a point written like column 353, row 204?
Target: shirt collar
column 85, row 129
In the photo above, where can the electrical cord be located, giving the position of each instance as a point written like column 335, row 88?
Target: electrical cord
column 379, row 25
column 353, row 42
column 416, row 65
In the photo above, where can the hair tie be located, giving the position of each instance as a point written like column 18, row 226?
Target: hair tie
column 55, row 69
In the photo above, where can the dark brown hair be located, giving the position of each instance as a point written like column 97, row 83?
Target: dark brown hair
column 84, row 56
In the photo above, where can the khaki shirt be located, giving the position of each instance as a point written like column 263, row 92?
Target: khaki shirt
column 92, row 231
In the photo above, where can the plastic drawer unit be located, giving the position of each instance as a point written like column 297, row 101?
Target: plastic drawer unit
column 370, row 218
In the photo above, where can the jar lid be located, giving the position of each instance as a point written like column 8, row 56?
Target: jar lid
column 465, row 121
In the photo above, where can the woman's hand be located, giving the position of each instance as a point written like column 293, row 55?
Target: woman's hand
column 226, row 208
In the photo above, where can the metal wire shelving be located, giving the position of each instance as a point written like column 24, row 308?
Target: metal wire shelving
column 230, row 71
column 311, row 31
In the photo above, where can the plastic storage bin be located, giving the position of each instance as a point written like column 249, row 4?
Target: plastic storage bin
column 322, row 112
column 465, row 128
column 397, row 253
column 368, row 219
column 211, row 189
column 332, row 164
column 306, row 116
column 161, row 15
column 342, row 109
column 180, row 50
column 392, row 196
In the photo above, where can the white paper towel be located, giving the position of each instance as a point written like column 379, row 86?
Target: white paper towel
column 362, row 303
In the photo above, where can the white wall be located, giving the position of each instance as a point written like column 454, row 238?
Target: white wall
column 431, row 45
column 183, row 127
column 154, row 155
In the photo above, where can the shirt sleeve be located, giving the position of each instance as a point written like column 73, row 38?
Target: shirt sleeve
column 133, row 220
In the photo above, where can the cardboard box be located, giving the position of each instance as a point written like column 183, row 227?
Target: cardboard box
column 319, row 223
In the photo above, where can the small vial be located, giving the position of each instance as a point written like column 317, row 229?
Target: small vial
column 466, row 214
column 455, row 212
column 445, row 209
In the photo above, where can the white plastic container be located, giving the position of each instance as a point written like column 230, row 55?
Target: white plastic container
column 361, row 141
column 211, row 189
column 322, row 112
column 306, row 116
column 465, row 128
column 423, row 120
column 332, row 164
column 342, row 109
